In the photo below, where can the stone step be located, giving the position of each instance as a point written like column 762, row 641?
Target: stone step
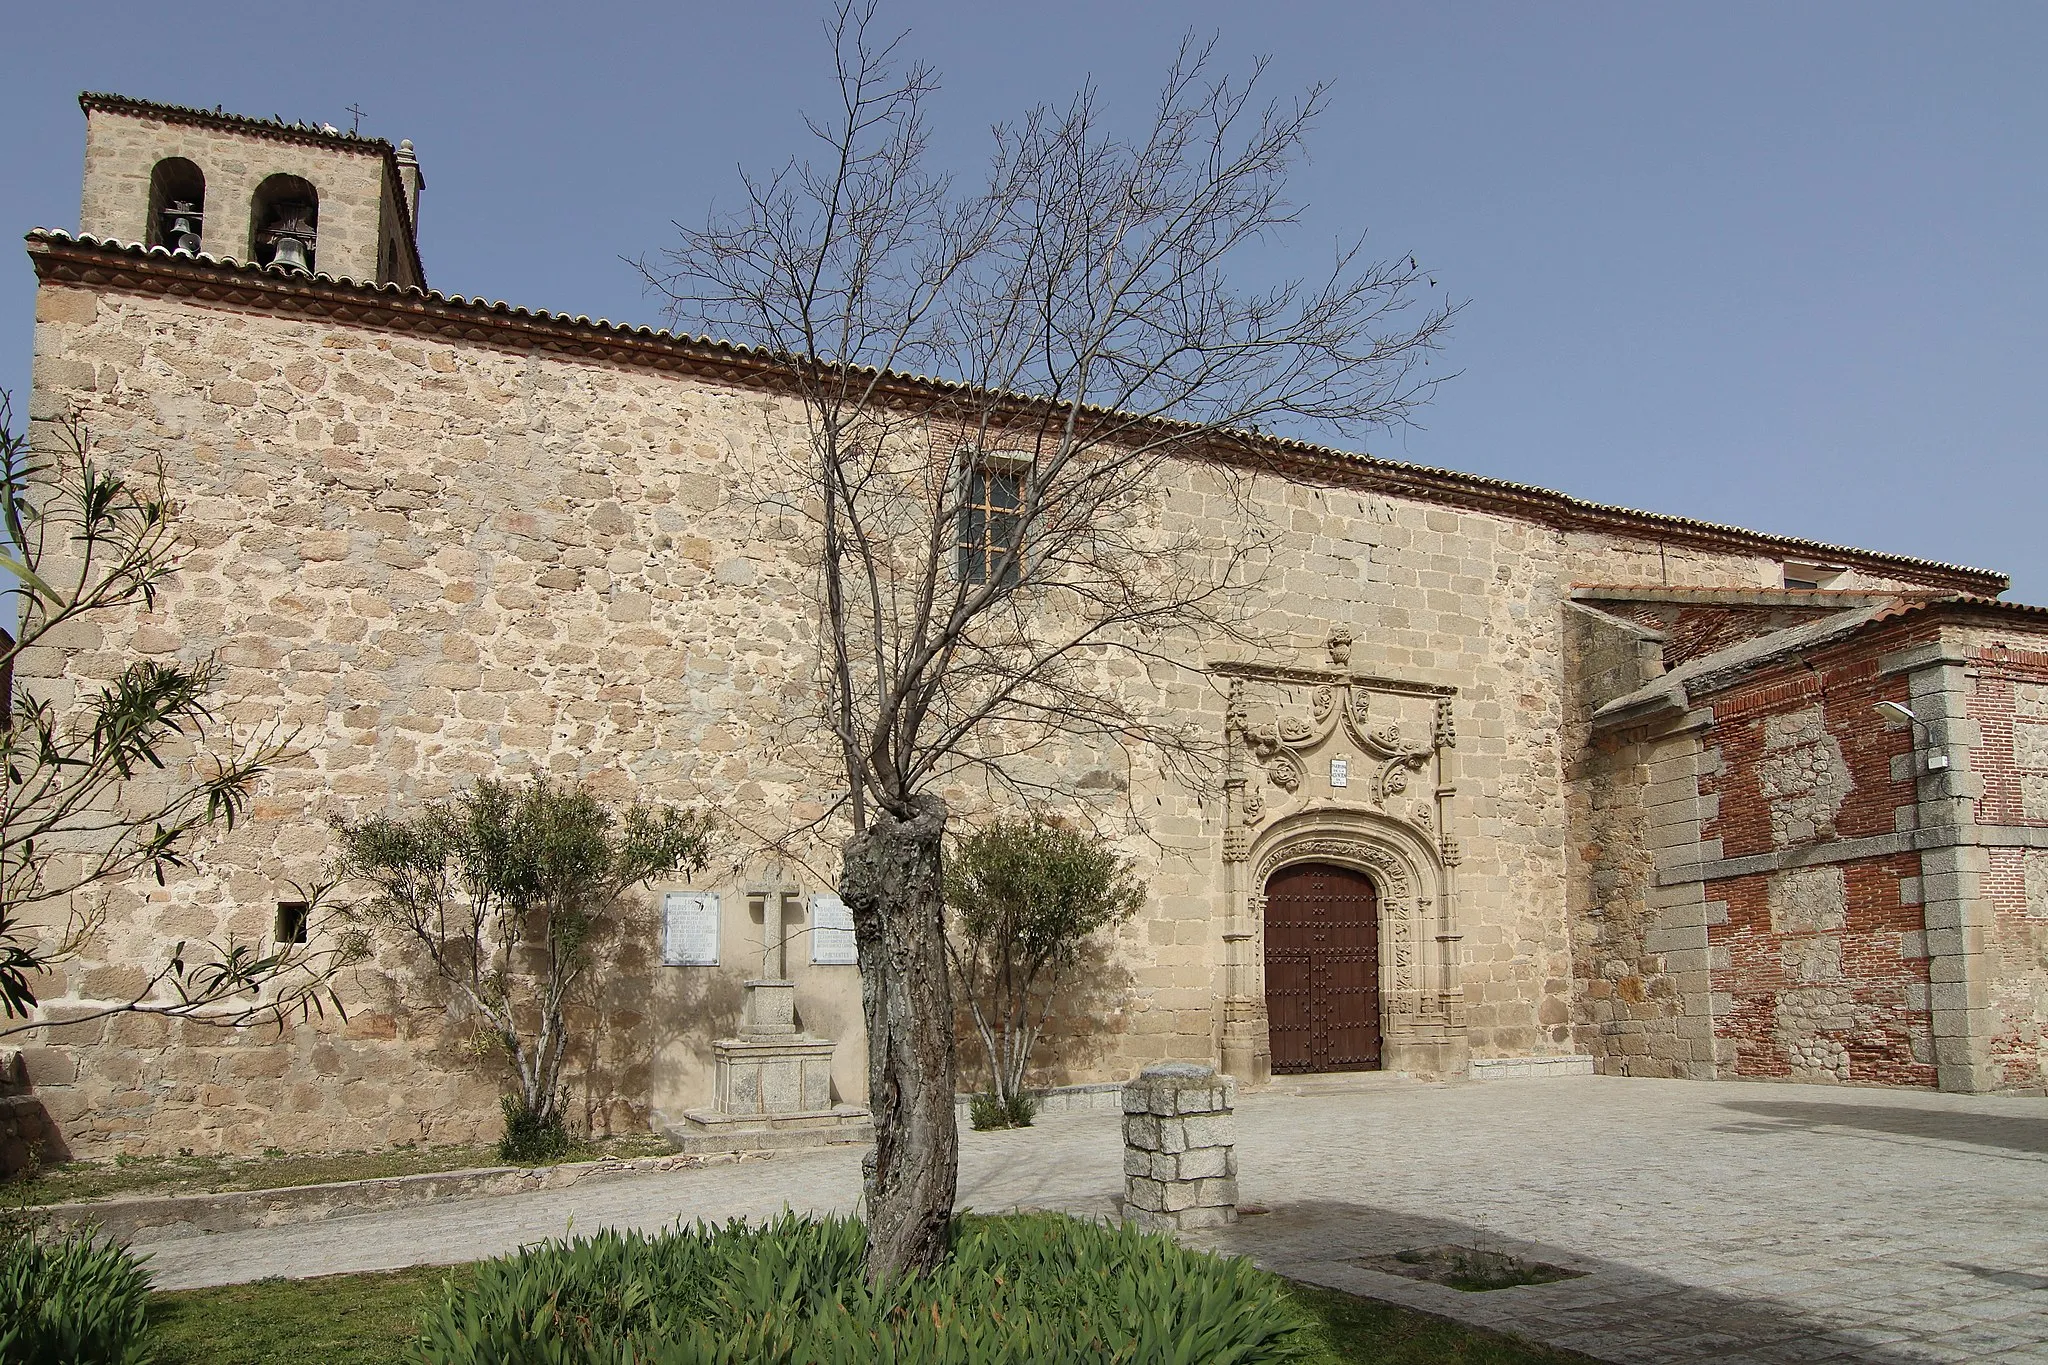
column 704, row 1131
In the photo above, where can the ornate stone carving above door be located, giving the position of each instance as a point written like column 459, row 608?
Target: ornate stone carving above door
column 1388, row 739
column 1332, row 765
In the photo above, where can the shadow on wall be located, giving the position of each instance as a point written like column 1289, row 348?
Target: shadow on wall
column 29, row 1137
column 1616, row 1312
column 631, row 1011
column 2000, row 1132
column 1079, row 1039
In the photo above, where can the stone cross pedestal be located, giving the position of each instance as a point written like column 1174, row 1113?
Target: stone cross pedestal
column 1180, row 1163
column 773, row 1086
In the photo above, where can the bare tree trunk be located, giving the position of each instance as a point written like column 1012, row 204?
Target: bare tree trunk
column 892, row 883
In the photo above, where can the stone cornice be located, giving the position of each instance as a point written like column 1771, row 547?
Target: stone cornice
column 1854, row 850
column 125, row 267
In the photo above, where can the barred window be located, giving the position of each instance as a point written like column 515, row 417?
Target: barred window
column 988, row 522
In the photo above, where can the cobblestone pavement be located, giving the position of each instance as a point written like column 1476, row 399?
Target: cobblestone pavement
column 1729, row 1222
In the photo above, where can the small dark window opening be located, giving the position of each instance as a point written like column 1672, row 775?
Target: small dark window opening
column 1807, row 577
column 291, row 921
column 7, row 684
column 177, row 205
column 990, row 519
column 284, row 223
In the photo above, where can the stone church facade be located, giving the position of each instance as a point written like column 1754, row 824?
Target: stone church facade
column 1534, row 783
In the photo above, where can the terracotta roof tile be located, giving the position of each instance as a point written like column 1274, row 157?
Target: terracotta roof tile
column 275, row 128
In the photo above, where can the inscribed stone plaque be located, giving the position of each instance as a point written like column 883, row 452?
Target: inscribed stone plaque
column 689, row 929
column 831, row 933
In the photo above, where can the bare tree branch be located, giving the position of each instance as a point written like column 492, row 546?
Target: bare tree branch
column 1006, row 558
column 118, row 782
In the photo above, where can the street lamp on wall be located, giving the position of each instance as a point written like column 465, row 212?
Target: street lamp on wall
column 1936, row 760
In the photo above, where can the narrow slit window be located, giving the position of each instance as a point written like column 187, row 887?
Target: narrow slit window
column 990, row 515
column 291, row 921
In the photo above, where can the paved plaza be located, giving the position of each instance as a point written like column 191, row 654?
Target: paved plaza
column 1725, row 1222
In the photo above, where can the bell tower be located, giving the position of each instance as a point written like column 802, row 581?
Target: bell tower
column 298, row 197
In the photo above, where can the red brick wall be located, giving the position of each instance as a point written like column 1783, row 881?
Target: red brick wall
column 1836, row 985
column 1846, row 690
column 1998, row 669
column 1876, row 1012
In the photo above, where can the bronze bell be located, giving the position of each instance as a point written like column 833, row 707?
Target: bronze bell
column 182, row 231
column 291, row 254
column 291, row 235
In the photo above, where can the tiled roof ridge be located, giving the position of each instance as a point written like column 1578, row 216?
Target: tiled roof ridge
column 1652, row 592
column 1910, row 604
column 304, row 134
column 1689, row 683
column 83, row 258
column 239, row 123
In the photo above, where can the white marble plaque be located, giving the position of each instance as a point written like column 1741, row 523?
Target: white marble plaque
column 832, row 933
column 689, row 923
column 1340, row 772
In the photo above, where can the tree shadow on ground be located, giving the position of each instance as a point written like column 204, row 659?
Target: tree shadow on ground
column 2001, row 1132
column 1615, row 1312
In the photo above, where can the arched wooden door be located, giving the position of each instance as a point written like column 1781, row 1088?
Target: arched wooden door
column 1323, row 969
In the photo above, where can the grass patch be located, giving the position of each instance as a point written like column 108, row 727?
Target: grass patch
column 1351, row 1329
column 1471, row 1270
column 75, row 1181
column 369, row 1319
column 335, row 1320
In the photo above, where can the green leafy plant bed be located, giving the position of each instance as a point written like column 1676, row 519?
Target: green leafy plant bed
column 72, row 1300
column 1026, row 1288
column 374, row 1319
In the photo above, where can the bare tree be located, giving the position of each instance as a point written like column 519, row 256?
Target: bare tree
column 109, row 783
column 988, row 547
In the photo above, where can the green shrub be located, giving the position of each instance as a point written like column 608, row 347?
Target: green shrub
column 73, row 1300
column 987, row 1111
column 531, row 1139
column 1036, row 1287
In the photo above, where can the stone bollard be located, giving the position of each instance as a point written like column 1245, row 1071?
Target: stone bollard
column 1180, row 1169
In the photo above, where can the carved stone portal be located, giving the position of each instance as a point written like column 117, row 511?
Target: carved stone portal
column 1330, row 766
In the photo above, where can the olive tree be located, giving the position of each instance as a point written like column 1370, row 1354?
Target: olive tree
column 507, row 892
column 1025, row 898
column 115, row 780
column 985, row 544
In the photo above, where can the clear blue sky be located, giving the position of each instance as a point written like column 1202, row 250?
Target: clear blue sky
column 1780, row 265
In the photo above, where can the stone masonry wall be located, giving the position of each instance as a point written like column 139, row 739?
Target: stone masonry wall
column 441, row 560
column 1639, row 1007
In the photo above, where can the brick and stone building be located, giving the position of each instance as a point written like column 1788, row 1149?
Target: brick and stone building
column 1494, row 807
